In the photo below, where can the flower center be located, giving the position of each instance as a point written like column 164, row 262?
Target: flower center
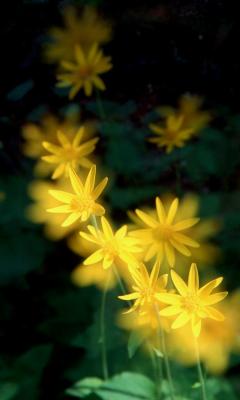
column 85, row 73
column 69, row 153
column 110, row 248
column 81, row 204
column 191, row 303
column 162, row 233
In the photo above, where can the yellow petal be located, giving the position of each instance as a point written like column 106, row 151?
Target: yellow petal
column 121, row 233
column 185, row 224
column 180, row 247
column 131, row 296
column 76, row 182
column 107, row 230
column 154, row 274
column 90, row 181
column 58, row 171
column 160, row 210
column 60, row 209
column 215, row 314
column 215, row 298
column 107, row 261
column 180, row 237
column 62, row 196
column 179, row 283
column 169, row 311
column 71, row 219
column 193, row 278
column 146, row 218
column 207, row 289
column 169, row 251
column 80, row 57
column 172, row 211
column 99, row 188
column 63, row 139
column 94, row 258
column 196, row 327
column 168, row 298
column 78, row 137
column 181, row 320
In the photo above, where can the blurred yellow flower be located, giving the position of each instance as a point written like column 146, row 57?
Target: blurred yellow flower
column 46, row 130
column 70, row 154
column 84, row 72
column 83, row 31
column 113, row 248
column 204, row 255
column 86, row 275
column 190, row 110
column 145, row 288
column 171, row 133
column 192, row 303
column 81, row 204
column 216, row 343
column 162, row 234
column 37, row 212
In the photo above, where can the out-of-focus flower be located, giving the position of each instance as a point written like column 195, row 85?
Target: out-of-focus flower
column 37, row 212
column 216, row 342
column 86, row 275
column 193, row 303
column 171, row 133
column 83, row 31
column 81, row 204
column 190, row 110
column 83, row 72
column 113, row 248
column 70, row 153
column 162, row 235
column 204, row 255
column 2, row 196
column 46, row 130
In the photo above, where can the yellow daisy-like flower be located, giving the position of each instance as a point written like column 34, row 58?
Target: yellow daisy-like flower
column 193, row 303
column 84, row 72
column 190, row 109
column 85, row 30
column 70, row 154
column 162, row 236
column 81, row 204
column 145, row 288
column 172, row 134
column 113, row 248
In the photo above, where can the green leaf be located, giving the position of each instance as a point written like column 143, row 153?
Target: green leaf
column 134, row 342
column 8, row 390
column 196, row 385
column 125, row 386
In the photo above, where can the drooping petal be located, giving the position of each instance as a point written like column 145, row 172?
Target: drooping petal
column 58, row 171
column 88, row 237
column 94, row 258
column 181, row 320
column 169, row 251
column 130, row 296
column 71, row 219
column 169, row 298
column 60, row 209
column 62, row 196
column 196, row 326
column 180, row 247
column 180, row 237
column 52, row 148
column 215, row 314
column 179, row 283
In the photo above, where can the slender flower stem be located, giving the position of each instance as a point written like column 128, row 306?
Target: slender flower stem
column 120, row 283
column 165, row 355
column 94, row 222
column 100, row 105
column 200, row 372
column 102, row 330
column 156, row 370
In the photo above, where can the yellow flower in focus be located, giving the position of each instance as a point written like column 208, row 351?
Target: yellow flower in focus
column 216, row 343
column 83, row 31
column 204, row 255
column 37, row 212
column 145, row 288
column 190, row 110
column 170, row 134
column 192, row 303
column 84, row 72
column 81, row 204
column 113, row 248
column 70, row 154
column 162, row 235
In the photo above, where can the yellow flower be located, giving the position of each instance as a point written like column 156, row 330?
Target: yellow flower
column 162, row 236
column 145, row 288
column 81, row 204
column 46, row 130
column 215, row 343
column 172, row 134
column 84, row 72
column 190, row 110
column 86, row 275
column 84, row 31
column 204, row 255
column 37, row 212
column 192, row 303
column 113, row 248
column 70, row 154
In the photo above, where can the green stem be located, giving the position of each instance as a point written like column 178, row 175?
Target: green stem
column 156, row 371
column 200, row 372
column 94, row 222
column 165, row 355
column 103, row 332
column 100, row 105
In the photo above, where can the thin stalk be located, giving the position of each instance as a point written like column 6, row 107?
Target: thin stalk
column 165, row 355
column 200, row 372
column 103, row 331
column 100, row 105
column 156, row 370
column 94, row 222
